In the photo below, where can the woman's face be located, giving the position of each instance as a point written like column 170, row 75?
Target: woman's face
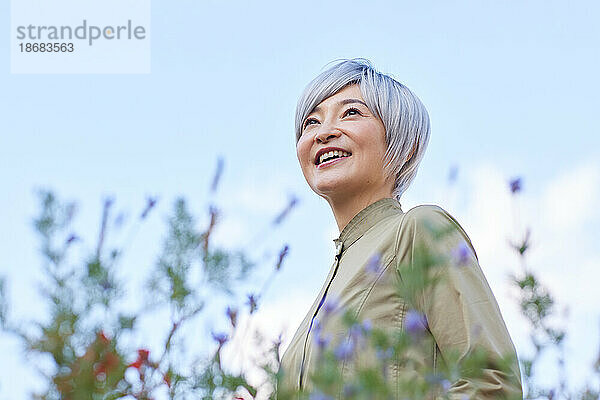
column 345, row 122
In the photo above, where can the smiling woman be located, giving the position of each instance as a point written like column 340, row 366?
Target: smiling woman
column 360, row 136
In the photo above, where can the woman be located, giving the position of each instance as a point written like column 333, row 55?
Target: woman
column 360, row 136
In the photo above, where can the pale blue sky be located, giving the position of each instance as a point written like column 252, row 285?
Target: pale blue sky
column 511, row 89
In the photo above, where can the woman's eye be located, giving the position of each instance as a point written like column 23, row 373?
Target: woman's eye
column 352, row 110
column 307, row 122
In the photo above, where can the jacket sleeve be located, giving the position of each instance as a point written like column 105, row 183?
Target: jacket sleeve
column 461, row 310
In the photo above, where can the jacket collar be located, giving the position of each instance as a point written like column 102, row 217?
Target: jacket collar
column 364, row 220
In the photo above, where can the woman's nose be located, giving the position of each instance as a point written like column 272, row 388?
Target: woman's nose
column 327, row 134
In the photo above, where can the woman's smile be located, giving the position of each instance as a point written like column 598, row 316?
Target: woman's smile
column 331, row 162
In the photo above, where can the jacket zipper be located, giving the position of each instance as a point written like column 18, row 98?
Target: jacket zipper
column 337, row 263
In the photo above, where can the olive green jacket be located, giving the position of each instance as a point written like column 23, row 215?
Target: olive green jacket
column 461, row 311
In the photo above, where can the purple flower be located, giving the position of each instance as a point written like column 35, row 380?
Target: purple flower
column 322, row 341
column 232, row 314
column 344, row 350
column 415, row 322
column 318, row 395
column 461, row 254
column 356, row 333
column 221, row 338
column 119, row 220
column 316, row 325
column 349, row 390
column 252, row 302
column 438, row 379
column 373, row 266
column 292, row 203
column 367, row 325
column 150, row 203
column 72, row 237
column 445, row 385
column 319, row 338
column 515, row 185
column 215, row 182
column 282, row 255
column 384, row 355
column 331, row 305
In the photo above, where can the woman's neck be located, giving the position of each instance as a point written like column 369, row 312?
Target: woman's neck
column 345, row 208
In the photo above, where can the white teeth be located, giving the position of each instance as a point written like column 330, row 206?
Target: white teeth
column 332, row 154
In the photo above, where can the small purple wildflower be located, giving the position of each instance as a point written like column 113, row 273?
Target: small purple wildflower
column 323, row 340
column 515, row 185
column 319, row 338
column 120, row 219
column 318, row 395
column 316, row 325
column 349, row 390
column 384, row 355
column 221, row 338
column 277, row 342
column 108, row 201
column 415, row 322
column 373, row 266
column 438, row 379
column 217, row 176
column 232, row 314
column 356, row 333
column 461, row 254
column 331, row 305
column 344, row 350
column 367, row 325
column 445, row 385
column 252, row 302
column 292, row 203
column 282, row 255
column 150, row 203
column 72, row 237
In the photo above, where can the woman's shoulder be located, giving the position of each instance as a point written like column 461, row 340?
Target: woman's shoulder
column 429, row 214
column 431, row 219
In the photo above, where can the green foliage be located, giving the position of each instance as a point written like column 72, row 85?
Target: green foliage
column 538, row 307
column 84, row 330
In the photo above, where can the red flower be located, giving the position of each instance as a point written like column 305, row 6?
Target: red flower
column 143, row 354
column 141, row 360
column 137, row 364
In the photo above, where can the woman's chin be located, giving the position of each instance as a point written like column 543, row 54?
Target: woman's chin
column 330, row 187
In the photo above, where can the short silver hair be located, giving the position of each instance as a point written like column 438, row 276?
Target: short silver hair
column 404, row 117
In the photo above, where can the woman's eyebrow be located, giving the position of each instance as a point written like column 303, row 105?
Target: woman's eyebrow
column 343, row 102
